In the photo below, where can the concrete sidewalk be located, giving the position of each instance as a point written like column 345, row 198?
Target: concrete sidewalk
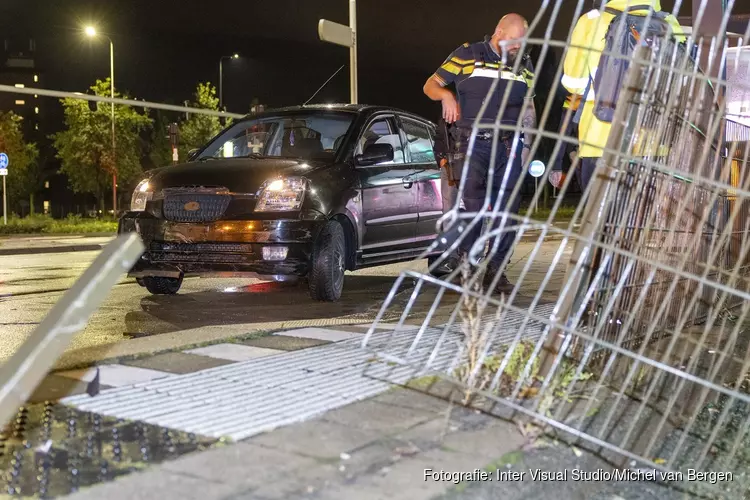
column 26, row 245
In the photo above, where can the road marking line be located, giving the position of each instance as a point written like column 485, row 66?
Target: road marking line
column 234, row 352
column 321, row 334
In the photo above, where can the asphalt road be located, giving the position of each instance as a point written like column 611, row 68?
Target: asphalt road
column 31, row 284
column 131, row 321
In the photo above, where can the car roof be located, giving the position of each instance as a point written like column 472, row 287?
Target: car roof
column 338, row 107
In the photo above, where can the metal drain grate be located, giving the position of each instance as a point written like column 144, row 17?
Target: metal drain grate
column 244, row 399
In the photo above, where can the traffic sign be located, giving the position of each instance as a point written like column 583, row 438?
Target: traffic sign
column 336, row 33
column 536, row 169
column 3, row 171
column 4, row 162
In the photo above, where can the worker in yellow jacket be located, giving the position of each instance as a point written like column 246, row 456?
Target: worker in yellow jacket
column 580, row 67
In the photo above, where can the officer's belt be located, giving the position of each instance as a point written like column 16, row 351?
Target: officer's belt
column 484, row 135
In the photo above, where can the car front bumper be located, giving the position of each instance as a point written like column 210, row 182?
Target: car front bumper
column 223, row 248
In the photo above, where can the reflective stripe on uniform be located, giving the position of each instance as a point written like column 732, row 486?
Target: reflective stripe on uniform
column 451, row 68
column 493, row 73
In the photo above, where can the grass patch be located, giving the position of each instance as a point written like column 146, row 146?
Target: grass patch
column 563, row 214
column 44, row 224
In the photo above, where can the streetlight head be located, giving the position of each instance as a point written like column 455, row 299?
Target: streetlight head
column 236, row 56
column 90, row 31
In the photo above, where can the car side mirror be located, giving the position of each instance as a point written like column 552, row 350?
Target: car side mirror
column 375, row 153
column 191, row 154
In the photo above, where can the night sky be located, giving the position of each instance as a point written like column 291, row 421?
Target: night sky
column 163, row 48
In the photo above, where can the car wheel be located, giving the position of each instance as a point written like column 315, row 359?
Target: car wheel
column 140, row 281
column 326, row 277
column 158, row 285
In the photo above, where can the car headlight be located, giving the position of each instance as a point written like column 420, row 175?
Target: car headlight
column 281, row 195
column 141, row 195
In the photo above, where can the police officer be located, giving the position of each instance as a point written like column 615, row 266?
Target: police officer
column 581, row 64
column 473, row 68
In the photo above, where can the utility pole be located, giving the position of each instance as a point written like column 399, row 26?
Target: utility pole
column 353, row 51
column 346, row 36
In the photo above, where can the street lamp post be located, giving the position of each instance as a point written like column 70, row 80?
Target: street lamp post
column 221, row 78
column 91, row 32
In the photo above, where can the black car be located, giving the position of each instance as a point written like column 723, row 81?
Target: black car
column 307, row 191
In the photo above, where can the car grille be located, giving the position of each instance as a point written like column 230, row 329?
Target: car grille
column 200, row 247
column 229, row 253
column 195, row 207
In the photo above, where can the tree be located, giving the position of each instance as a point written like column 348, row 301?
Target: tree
column 85, row 146
column 23, row 173
column 160, row 153
column 197, row 130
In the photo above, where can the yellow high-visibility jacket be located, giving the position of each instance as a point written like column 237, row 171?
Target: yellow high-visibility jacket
column 582, row 61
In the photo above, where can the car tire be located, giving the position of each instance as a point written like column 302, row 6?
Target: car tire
column 326, row 277
column 158, row 285
column 140, row 282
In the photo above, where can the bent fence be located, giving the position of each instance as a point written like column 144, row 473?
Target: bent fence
column 627, row 327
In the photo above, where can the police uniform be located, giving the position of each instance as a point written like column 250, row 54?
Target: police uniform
column 473, row 68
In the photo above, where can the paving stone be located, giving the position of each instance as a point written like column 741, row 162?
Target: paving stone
column 115, row 375
column 156, row 484
column 322, row 334
column 317, row 438
column 373, row 415
column 303, row 483
column 178, row 362
column 410, row 398
column 492, row 442
column 55, row 387
column 242, row 465
column 405, row 480
column 233, row 352
column 284, row 342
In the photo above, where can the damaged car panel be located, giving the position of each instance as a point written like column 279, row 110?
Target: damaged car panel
column 298, row 192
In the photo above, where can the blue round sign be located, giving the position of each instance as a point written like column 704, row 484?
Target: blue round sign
column 536, row 168
column 4, row 161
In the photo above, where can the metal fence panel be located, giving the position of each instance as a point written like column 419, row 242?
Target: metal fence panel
column 626, row 327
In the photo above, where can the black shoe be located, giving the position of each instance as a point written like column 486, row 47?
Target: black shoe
column 503, row 285
column 446, row 267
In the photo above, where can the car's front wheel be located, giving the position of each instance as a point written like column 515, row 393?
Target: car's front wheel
column 159, row 285
column 326, row 277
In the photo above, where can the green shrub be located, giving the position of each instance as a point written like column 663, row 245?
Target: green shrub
column 44, row 224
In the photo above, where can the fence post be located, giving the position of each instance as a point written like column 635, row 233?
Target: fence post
column 21, row 374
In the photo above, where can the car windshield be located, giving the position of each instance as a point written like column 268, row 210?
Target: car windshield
column 310, row 136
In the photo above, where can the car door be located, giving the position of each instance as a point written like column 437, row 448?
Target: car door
column 419, row 141
column 389, row 199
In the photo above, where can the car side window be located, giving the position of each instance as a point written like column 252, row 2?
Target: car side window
column 418, row 141
column 383, row 131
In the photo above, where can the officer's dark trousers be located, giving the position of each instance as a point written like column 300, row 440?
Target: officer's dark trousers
column 586, row 166
column 476, row 188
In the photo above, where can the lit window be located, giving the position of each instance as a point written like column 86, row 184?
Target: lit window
column 20, row 85
column 36, row 78
column 46, row 185
column 20, row 102
column 36, row 110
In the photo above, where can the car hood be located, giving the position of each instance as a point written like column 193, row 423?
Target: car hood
column 239, row 175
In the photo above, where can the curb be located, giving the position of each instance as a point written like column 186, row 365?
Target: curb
column 57, row 249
